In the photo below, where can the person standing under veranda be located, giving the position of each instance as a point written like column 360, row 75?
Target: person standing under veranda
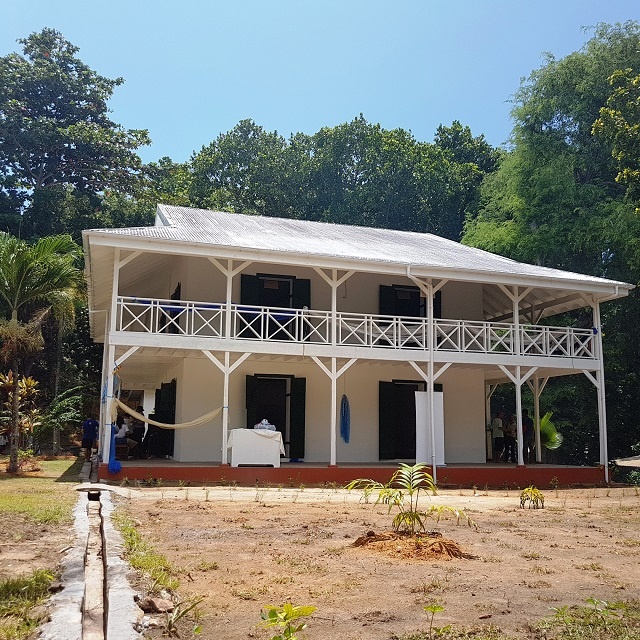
column 89, row 436
column 527, row 437
column 497, row 435
column 509, row 430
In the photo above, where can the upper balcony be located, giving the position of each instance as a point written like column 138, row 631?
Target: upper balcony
column 356, row 330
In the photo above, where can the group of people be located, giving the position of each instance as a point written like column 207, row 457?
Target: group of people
column 129, row 432
column 504, row 433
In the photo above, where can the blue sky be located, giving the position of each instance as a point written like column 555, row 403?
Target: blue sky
column 195, row 68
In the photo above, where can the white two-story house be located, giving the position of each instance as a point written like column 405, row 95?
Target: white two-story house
column 282, row 319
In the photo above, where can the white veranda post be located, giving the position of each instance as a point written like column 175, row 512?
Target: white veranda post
column 334, row 374
column 597, row 378
column 227, row 369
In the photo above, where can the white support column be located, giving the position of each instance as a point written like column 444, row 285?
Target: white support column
column 227, row 303
column 106, row 442
column 334, row 373
column 227, row 369
column 518, row 380
column 602, row 403
column 427, row 287
column 334, row 282
column 114, row 292
column 102, row 407
column 229, row 272
column 334, row 315
column 519, row 437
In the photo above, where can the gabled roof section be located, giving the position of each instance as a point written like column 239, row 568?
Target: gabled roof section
column 422, row 252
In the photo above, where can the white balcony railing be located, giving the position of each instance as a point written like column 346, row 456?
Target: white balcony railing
column 269, row 324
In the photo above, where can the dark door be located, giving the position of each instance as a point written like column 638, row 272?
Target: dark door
column 397, row 419
column 267, row 399
column 276, row 291
column 161, row 440
column 297, row 412
column 282, row 401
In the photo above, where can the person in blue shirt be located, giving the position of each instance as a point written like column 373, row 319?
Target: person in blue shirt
column 89, row 436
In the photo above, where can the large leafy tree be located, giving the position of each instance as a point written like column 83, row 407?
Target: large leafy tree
column 555, row 201
column 56, row 134
column 353, row 173
column 619, row 124
column 36, row 280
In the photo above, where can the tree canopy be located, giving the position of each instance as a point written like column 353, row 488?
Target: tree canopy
column 35, row 280
column 353, row 173
column 55, row 130
column 555, row 201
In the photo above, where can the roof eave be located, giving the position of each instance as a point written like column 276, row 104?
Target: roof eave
column 606, row 289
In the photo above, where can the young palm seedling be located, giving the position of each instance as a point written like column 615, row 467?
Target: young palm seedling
column 402, row 492
column 533, row 496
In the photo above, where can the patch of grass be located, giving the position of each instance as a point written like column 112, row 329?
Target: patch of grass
column 18, row 596
column 489, row 632
column 38, row 497
column 598, row 620
column 207, row 566
column 143, row 557
column 592, row 566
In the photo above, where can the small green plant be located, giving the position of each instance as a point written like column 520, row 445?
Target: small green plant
column 178, row 613
column 286, row 618
column 433, row 609
column 403, row 492
column 532, row 496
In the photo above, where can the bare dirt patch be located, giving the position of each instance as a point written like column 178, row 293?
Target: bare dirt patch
column 31, row 539
column 245, row 548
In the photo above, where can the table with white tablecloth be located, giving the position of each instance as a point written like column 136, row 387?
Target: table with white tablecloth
column 260, row 447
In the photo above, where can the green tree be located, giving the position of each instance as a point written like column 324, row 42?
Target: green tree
column 55, row 131
column 354, row 173
column 555, row 201
column 619, row 125
column 35, row 280
column 243, row 170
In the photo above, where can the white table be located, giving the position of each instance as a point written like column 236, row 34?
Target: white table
column 255, row 447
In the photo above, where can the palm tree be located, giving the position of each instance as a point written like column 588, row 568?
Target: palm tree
column 35, row 280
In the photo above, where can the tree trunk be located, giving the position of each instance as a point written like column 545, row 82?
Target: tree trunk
column 14, row 437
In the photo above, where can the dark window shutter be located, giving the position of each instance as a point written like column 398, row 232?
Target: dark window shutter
column 301, row 294
column 386, row 416
column 437, row 305
column 297, row 410
column 250, row 290
column 387, row 301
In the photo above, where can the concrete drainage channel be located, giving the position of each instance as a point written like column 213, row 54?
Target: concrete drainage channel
column 96, row 602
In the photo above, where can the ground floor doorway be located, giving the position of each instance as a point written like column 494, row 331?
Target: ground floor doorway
column 280, row 399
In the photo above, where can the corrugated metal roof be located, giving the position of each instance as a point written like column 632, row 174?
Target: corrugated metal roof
column 368, row 244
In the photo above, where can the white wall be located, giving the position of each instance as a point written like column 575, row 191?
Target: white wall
column 464, row 421
column 462, row 301
column 203, row 281
column 199, row 390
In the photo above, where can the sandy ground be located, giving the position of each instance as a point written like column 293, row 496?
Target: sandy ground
column 245, row 548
